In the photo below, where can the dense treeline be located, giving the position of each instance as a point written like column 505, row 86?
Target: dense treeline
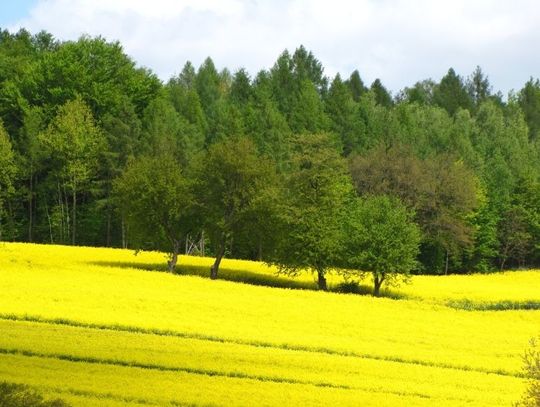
column 96, row 151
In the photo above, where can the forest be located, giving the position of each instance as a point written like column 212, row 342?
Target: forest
column 287, row 166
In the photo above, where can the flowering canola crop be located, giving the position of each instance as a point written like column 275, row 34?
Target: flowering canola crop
column 105, row 327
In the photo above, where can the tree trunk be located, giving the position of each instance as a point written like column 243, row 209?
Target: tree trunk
column 321, row 280
column 504, row 256
column 215, row 267
column 446, row 264
column 123, row 227
column 30, row 204
column 74, row 216
column 108, row 238
column 173, row 256
column 377, row 282
column 503, row 262
column 62, row 220
column 49, row 220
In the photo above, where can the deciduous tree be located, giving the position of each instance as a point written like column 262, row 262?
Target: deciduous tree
column 381, row 239
column 156, row 201
column 318, row 187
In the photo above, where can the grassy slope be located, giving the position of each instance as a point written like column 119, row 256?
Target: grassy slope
column 93, row 324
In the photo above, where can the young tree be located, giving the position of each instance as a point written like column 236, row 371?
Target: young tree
column 382, row 239
column 156, row 200
column 232, row 180
column 318, row 188
column 77, row 143
column 531, row 360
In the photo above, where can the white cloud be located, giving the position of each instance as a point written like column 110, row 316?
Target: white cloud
column 397, row 40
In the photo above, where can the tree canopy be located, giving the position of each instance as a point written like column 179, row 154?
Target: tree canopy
column 262, row 156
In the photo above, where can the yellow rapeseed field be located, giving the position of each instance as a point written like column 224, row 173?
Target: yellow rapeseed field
column 106, row 327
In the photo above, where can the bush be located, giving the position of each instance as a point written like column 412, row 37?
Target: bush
column 532, row 372
column 18, row 395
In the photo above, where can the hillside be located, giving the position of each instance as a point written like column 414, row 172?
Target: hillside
column 104, row 327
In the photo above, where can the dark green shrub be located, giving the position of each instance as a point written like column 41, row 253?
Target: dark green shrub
column 18, row 395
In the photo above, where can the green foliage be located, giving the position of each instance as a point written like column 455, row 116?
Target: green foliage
column 344, row 116
column 234, row 183
column 156, row 201
column 7, row 176
column 479, row 87
column 421, row 93
column 18, row 395
column 529, row 100
column 381, row 239
column 96, row 70
column 76, row 144
column 382, row 96
column 165, row 130
column 307, row 111
column 441, row 191
column 451, row 93
column 78, row 111
column 531, row 361
column 318, row 188
column 356, row 86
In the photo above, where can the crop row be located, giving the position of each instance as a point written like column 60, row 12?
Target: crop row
column 384, row 328
column 86, row 349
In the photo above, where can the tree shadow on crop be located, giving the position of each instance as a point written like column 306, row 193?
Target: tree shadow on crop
column 252, row 278
column 227, row 274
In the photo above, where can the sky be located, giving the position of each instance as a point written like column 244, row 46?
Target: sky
column 398, row 41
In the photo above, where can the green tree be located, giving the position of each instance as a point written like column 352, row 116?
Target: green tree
column 306, row 67
column 307, row 111
column 123, row 133
column 30, row 161
column 529, row 100
column 478, row 87
column 344, row 116
column 451, row 93
column 514, row 236
column 7, row 174
column 241, row 89
column 317, row 189
column 265, row 124
column 164, row 129
column 356, row 86
column 382, row 96
column 207, row 84
column 232, row 180
column 76, row 143
column 382, row 239
column 96, row 70
column 155, row 198
column 421, row 93
column 440, row 190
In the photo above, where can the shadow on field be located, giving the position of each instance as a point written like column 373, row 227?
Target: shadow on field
column 252, row 278
column 239, row 276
